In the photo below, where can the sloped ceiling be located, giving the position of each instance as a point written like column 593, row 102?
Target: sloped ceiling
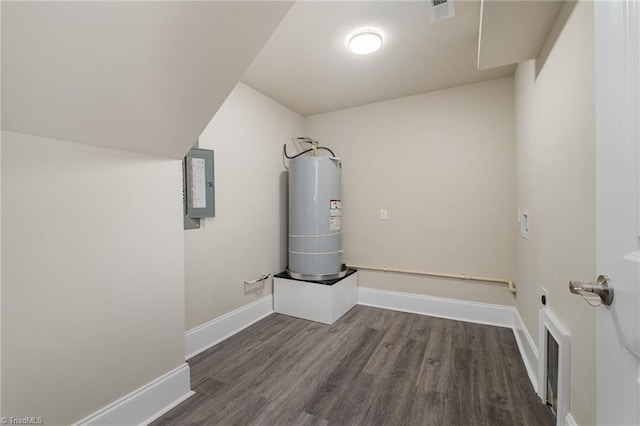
column 307, row 67
column 138, row 76
column 306, row 64
column 149, row 76
column 514, row 31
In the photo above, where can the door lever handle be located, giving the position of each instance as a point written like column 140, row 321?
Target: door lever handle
column 590, row 291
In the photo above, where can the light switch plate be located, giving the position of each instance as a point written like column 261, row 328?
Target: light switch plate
column 524, row 224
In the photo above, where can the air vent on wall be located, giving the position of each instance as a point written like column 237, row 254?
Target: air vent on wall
column 440, row 9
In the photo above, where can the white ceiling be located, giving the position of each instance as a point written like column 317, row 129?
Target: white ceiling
column 512, row 31
column 149, row 76
column 307, row 67
column 138, row 76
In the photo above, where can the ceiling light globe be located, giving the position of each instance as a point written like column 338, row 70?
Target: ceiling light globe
column 365, row 42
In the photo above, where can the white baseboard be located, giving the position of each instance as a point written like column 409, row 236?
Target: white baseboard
column 569, row 420
column 210, row 333
column 147, row 403
column 527, row 347
column 461, row 310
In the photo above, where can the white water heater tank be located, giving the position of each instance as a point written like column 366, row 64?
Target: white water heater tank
column 315, row 218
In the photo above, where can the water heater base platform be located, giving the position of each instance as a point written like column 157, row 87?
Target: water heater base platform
column 320, row 301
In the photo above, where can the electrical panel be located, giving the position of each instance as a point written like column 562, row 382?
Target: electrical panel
column 199, row 189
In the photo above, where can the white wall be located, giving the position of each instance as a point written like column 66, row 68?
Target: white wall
column 0, row 274
column 556, row 183
column 0, row 233
column 93, row 273
column 442, row 164
column 247, row 238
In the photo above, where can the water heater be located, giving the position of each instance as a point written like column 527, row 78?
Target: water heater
column 315, row 218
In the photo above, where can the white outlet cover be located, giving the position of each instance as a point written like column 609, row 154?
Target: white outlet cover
column 525, row 220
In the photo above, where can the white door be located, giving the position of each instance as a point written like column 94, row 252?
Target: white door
column 617, row 44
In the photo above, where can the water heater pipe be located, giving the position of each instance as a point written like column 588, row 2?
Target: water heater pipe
column 509, row 283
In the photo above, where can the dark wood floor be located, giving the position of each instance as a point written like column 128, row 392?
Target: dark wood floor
column 372, row 367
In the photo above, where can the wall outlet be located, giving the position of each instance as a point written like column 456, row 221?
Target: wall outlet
column 383, row 214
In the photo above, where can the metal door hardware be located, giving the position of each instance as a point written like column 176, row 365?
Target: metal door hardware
column 594, row 291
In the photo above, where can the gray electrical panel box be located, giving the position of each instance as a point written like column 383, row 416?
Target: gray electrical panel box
column 199, row 189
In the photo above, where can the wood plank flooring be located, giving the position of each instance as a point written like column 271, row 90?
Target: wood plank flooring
column 372, row 367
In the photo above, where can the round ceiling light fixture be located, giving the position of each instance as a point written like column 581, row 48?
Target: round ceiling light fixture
column 365, row 42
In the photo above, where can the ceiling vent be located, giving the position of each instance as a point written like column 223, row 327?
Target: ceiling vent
column 440, row 9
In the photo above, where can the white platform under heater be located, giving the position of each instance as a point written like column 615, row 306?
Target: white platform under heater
column 315, row 301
